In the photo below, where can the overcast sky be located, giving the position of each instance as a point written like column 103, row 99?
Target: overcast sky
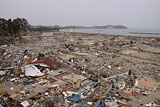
column 131, row 13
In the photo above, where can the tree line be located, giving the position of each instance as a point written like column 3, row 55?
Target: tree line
column 13, row 27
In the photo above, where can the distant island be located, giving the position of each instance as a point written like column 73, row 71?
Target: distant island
column 96, row 27
column 110, row 27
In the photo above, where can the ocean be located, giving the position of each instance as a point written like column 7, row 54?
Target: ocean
column 124, row 32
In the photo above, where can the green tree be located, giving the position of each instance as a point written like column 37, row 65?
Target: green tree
column 3, row 27
column 9, row 27
column 19, row 24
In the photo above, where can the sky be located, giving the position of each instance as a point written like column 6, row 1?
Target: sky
column 131, row 13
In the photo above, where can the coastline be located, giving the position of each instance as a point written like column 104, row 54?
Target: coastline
column 113, row 35
column 122, row 32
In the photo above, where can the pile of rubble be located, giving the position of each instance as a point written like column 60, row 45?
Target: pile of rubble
column 31, row 79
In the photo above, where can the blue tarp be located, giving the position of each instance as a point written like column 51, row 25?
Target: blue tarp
column 28, row 82
column 74, row 97
column 100, row 106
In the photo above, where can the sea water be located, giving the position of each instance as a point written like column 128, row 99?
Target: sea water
column 124, row 32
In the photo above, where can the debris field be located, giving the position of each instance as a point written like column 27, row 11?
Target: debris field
column 66, row 69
